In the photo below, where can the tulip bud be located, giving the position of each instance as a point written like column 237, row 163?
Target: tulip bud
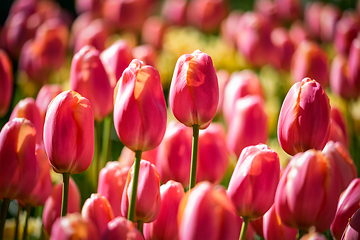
column 165, row 226
column 228, row 25
column 69, row 133
column 73, row 226
column 121, row 228
column 52, row 208
column 275, row 229
column 249, row 120
column 93, row 6
column 346, row 30
column 308, row 192
column 145, row 53
column 94, row 34
column 153, row 31
column 329, row 16
column 338, row 118
column 298, row 33
column 46, row 94
column 18, row 165
column 148, row 200
column 257, row 171
column 223, row 78
column 285, row 48
column 174, row 11
column 312, row 17
column 288, row 9
column 194, row 90
column 207, row 213
column 6, row 82
column 89, row 78
column 140, row 109
column 352, row 230
column 304, row 120
column 353, row 66
column 111, row 184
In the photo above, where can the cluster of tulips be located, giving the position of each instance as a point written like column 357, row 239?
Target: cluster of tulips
column 197, row 160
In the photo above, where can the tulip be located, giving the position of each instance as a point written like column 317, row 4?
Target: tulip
column 336, row 134
column 73, row 226
column 352, row 230
column 228, row 25
column 353, row 66
column 267, row 8
column 309, row 60
column 27, row 108
column 6, row 82
column 288, row 9
column 329, row 16
column 92, row 6
column 148, row 200
column 308, row 192
column 89, row 78
column 165, row 226
column 145, row 53
column 285, row 48
column 207, row 213
column 153, row 31
column 249, row 120
column 312, row 17
column 98, row 210
column 52, row 208
column 111, row 184
column 304, row 120
column 95, row 34
column 174, row 11
column 120, row 228
column 257, row 226
column 80, row 22
column 46, row 94
column 338, row 118
column 127, row 157
column 275, row 229
column 223, row 78
column 346, row 30
column 298, row 33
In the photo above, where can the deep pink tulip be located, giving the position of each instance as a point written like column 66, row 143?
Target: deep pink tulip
column 121, row 228
column 338, row 118
column 80, row 23
column 336, row 133
column 349, row 203
column 52, row 208
column 288, row 9
column 298, row 32
column 312, row 17
column 6, row 83
column 304, row 120
column 228, row 25
column 153, row 31
column 111, row 184
column 249, row 124
column 89, row 78
column 352, row 231
column 148, row 200
column 18, row 165
column 194, row 90
column 98, row 210
column 253, row 183
column 140, row 109
column 285, row 48
column 275, row 229
column 127, row 157
column 257, row 225
column 73, row 226
column 223, row 78
column 267, row 8
column 46, row 94
column 207, row 213
column 94, row 34
column 346, row 30
column 92, row 6
column 329, row 16
column 308, row 192
column 27, row 108
column 145, row 53
column 309, row 60
column 166, row 225
column 174, row 11
column 353, row 66
column 69, row 133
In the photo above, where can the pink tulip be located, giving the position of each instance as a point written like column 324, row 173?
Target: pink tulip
column 249, row 124
column 140, row 109
column 336, row 133
column 312, row 17
column 27, row 108
column 121, row 228
column 94, row 34
column 89, row 78
column 148, row 200
column 353, row 66
column 127, row 157
column 145, row 53
column 6, row 83
column 275, row 229
column 223, row 78
column 153, row 31
column 52, row 208
column 298, row 32
column 308, row 192
column 80, row 23
column 69, row 133
column 349, row 203
column 228, row 25
column 207, row 213
column 73, row 226
column 253, row 183
column 338, row 118
column 267, row 8
column 304, row 120
column 166, row 226
column 194, row 90
column 352, row 230
column 346, row 30
column 285, row 48
column 98, row 210
column 288, row 9
column 18, row 166
column 174, row 11
column 111, row 184
column 92, row 6
column 46, row 94
column 329, row 16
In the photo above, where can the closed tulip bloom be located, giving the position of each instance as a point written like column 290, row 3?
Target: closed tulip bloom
column 257, row 226
column 111, row 184
column 153, row 31
column 148, row 200
column 207, row 213
column 140, row 109
column 288, row 9
column 6, row 82
column 298, row 33
column 127, row 157
column 304, row 120
column 166, row 225
column 98, row 210
column 46, row 94
column 223, row 78
column 27, row 108
column 249, row 124
column 308, row 192
column 228, row 25
column 52, row 208
column 353, row 66
column 174, row 11
column 312, row 17
column 121, row 228
column 346, row 30
column 73, row 226
column 338, row 118
column 92, row 6
column 253, row 183
column 194, row 90
column 89, row 78
column 145, row 53
column 285, row 48
column 352, row 230
column 95, row 34
column 18, row 165
column 275, row 229
column 69, row 133
column 329, row 16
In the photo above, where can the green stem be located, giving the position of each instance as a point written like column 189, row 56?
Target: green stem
column 140, row 226
column 194, row 152
column 25, row 232
column 244, row 228
column 106, row 144
column 98, row 151
column 65, row 194
column 131, row 212
column 4, row 208
column 16, row 234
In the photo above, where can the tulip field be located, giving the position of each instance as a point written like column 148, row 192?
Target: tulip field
column 179, row 119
